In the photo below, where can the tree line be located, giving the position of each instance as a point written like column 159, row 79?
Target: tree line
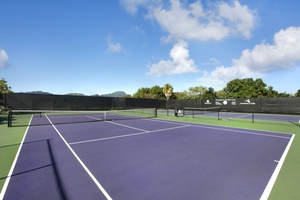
column 237, row 88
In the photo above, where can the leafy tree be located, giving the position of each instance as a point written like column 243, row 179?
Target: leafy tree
column 210, row 93
column 246, row 88
column 156, row 92
column 272, row 92
column 284, row 94
column 221, row 94
column 142, row 93
column 181, row 95
column 196, row 92
column 168, row 90
column 4, row 88
column 297, row 94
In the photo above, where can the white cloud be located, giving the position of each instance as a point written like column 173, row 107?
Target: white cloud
column 212, row 62
column 194, row 22
column 137, row 29
column 3, row 58
column 283, row 53
column 113, row 47
column 180, row 62
column 263, row 58
column 131, row 6
column 221, row 75
column 240, row 18
column 185, row 21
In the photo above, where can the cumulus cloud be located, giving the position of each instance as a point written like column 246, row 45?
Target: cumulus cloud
column 192, row 21
column 240, row 18
column 283, row 53
column 180, row 62
column 214, row 23
column 113, row 47
column 3, row 58
column 131, row 6
column 185, row 21
column 263, row 58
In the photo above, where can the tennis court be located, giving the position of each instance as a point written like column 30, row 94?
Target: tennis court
column 142, row 159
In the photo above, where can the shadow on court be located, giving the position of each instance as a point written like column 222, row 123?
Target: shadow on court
column 297, row 124
column 39, row 167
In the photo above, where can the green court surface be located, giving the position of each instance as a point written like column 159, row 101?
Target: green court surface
column 286, row 185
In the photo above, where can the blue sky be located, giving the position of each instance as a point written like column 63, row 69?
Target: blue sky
column 103, row 46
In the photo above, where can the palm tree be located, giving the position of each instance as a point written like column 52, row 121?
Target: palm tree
column 168, row 90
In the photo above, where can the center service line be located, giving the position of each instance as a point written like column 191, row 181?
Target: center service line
column 128, row 135
column 82, row 164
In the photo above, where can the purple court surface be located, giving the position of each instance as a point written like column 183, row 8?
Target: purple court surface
column 143, row 159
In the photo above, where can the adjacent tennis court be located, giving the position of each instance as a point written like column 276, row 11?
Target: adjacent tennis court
column 103, row 156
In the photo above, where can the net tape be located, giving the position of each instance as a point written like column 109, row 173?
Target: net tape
column 208, row 111
column 47, row 117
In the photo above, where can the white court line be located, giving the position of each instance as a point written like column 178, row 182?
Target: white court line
column 131, row 127
column 228, row 129
column 128, row 135
column 239, row 116
column 275, row 174
column 4, row 188
column 166, row 121
column 271, row 183
column 81, row 163
column 96, row 118
column 246, row 132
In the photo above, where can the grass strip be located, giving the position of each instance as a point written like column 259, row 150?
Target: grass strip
column 10, row 139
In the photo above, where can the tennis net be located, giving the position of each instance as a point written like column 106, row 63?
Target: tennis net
column 202, row 112
column 48, row 117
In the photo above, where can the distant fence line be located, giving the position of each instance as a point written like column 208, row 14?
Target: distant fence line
column 24, row 101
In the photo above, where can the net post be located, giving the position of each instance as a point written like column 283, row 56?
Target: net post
column 9, row 119
column 155, row 112
column 252, row 117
